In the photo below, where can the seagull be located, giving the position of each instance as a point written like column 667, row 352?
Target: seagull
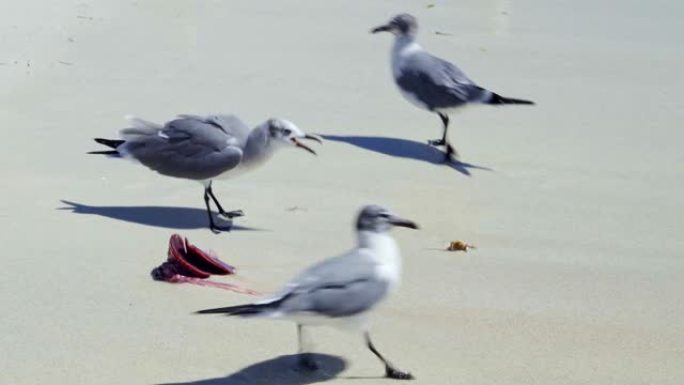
column 204, row 148
column 432, row 83
column 342, row 290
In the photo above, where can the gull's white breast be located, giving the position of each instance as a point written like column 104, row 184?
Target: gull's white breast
column 386, row 255
column 402, row 50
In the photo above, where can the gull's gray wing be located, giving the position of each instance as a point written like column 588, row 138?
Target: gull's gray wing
column 337, row 287
column 188, row 147
column 230, row 124
column 437, row 83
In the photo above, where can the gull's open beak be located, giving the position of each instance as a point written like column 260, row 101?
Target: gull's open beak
column 314, row 138
column 303, row 146
column 382, row 28
column 401, row 222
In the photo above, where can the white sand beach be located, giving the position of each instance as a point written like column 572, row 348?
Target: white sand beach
column 577, row 278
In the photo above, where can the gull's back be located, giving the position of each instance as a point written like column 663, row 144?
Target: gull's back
column 235, row 128
column 342, row 286
column 190, row 147
column 435, row 83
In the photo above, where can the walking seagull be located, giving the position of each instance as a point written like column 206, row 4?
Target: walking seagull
column 431, row 83
column 204, row 148
column 340, row 291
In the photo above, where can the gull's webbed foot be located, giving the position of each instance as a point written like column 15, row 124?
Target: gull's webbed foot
column 397, row 374
column 436, row 142
column 232, row 214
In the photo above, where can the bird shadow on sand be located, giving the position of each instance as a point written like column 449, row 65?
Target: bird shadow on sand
column 180, row 218
column 403, row 148
column 280, row 370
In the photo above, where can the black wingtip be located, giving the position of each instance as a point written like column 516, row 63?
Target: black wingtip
column 108, row 152
column 498, row 99
column 239, row 310
column 219, row 310
column 111, row 143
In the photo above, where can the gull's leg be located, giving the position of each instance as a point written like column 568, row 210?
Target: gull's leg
column 445, row 125
column 305, row 361
column 212, row 225
column 229, row 214
column 390, row 371
column 450, row 153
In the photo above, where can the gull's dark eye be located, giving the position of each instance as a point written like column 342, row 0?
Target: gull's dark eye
column 384, row 215
column 287, row 131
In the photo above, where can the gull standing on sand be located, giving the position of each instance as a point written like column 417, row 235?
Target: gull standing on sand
column 431, row 83
column 340, row 291
column 204, row 148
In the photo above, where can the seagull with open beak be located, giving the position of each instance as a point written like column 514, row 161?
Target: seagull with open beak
column 204, row 148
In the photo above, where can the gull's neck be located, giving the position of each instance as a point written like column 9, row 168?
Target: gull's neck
column 385, row 252
column 381, row 243
column 258, row 148
column 404, row 46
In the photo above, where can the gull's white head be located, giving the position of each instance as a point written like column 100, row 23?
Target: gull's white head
column 400, row 25
column 285, row 133
column 378, row 219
